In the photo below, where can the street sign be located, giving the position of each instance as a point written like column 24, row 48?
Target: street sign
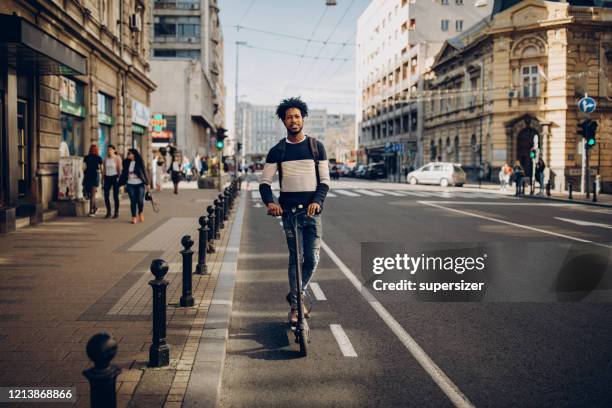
column 587, row 105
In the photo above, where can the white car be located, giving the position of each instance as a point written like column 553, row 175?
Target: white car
column 443, row 174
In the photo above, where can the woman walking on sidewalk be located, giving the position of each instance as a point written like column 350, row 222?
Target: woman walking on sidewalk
column 134, row 176
column 176, row 171
column 112, row 170
column 91, row 179
column 519, row 173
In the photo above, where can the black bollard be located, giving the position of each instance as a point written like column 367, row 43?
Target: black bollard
column 211, row 229
column 201, row 268
column 159, row 352
column 594, row 192
column 218, row 219
column 101, row 349
column 187, row 253
column 570, row 187
column 230, row 197
column 226, row 207
column 548, row 188
column 222, row 207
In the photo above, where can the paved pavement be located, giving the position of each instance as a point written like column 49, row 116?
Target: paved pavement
column 546, row 346
column 67, row 279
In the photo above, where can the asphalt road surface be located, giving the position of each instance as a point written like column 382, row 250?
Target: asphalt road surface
column 540, row 338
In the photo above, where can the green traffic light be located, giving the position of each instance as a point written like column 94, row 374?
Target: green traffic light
column 591, row 142
column 219, row 144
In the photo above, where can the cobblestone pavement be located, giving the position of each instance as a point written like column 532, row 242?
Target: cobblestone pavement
column 63, row 281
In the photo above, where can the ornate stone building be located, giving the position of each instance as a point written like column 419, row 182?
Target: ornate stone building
column 518, row 74
column 72, row 73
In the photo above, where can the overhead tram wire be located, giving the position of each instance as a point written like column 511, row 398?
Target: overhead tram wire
column 305, row 48
column 331, row 34
column 245, row 13
column 293, row 54
column 294, row 37
column 331, row 63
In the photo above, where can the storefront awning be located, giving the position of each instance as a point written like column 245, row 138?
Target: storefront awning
column 28, row 48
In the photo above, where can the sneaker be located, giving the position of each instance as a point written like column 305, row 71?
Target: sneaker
column 92, row 214
column 293, row 317
column 116, row 215
column 108, row 215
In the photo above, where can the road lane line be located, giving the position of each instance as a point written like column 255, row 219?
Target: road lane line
column 436, row 374
column 343, row 341
column 484, row 217
column 369, row 193
column 584, row 223
column 316, row 291
column 505, row 203
column 347, row 193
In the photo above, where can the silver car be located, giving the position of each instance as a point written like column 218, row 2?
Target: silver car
column 443, row 174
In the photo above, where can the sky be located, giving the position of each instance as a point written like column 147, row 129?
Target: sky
column 271, row 67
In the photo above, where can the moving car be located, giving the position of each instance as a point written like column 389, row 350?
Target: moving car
column 443, row 174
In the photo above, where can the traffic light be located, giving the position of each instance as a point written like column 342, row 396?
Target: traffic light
column 220, row 138
column 590, row 134
column 220, row 144
column 583, row 127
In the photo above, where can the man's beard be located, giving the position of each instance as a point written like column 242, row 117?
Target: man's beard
column 293, row 132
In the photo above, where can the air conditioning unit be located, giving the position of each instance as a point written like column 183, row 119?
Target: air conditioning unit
column 135, row 22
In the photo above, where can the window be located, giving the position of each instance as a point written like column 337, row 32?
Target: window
column 459, row 25
column 459, row 2
column 444, row 25
column 176, row 53
column 184, row 29
column 444, row 2
column 530, row 75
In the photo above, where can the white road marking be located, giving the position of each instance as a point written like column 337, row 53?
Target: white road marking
column 369, row 193
column 317, row 292
column 392, row 193
column 331, row 194
column 255, row 194
column 258, row 204
column 556, row 234
column 416, row 193
column 585, row 223
column 507, row 203
column 343, row 341
column 439, row 377
column 347, row 193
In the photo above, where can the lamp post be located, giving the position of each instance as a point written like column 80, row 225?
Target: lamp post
column 480, row 168
column 238, row 44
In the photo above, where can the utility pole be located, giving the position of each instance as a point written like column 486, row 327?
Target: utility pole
column 238, row 44
column 481, row 169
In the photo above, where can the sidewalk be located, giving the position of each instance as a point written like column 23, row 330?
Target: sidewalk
column 68, row 279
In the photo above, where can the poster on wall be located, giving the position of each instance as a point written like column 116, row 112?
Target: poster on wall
column 70, row 178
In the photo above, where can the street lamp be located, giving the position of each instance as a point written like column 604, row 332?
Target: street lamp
column 480, row 168
column 238, row 44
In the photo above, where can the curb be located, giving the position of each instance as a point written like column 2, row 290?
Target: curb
column 564, row 200
column 204, row 384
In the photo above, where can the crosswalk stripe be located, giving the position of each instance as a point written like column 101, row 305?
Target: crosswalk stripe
column 388, row 192
column 417, row 193
column 369, row 193
column 255, row 194
column 331, row 195
column 347, row 193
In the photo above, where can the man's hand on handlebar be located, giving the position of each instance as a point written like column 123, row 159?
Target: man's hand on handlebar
column 275, row 210
column 314, row 209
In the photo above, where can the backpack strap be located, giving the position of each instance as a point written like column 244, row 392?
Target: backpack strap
column 282, row 148
column 314, row 150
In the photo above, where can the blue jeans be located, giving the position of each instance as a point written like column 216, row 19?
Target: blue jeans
column 136, row 193
column 309, row 233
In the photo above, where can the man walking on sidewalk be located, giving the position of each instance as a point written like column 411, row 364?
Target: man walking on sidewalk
column 303, row 173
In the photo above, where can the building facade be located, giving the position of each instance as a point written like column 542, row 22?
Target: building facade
column 72, row 74
column 187, row 63
column 396, row 42
column 261, row 129
column 513, row 84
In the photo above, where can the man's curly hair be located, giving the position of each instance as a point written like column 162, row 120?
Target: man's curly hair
column 289, row 103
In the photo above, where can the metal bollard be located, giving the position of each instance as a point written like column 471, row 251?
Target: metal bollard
column 228, row 198
column 594, row 192
column 222, row 207
column 226, row 207
column 548, row 188
column 211, row 229
column 570, row 188
column 187, row 253
column 159, row 352
column 218, row 219
column 101, row 349
column 201, row 268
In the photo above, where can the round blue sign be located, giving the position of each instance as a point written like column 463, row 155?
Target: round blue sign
column 587, row 105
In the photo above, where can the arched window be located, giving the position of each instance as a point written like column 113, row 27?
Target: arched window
column 474, row 156
column 432, row 151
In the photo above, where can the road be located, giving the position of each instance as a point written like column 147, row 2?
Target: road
column 541, row 345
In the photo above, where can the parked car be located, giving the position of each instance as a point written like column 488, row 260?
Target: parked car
column 360, row 171
column 444, row 174
column 376, row 171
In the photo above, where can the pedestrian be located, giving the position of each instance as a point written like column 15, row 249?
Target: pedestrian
column 204, row 170
column 176, row 170
column 160, row 167
column 539, row 173
column 91, row 178
column 112, row 170
column 197, row 166
column 519, row 173
column 504, row 176
column 134, row 177
column 406, row 171
column 304, row 162
column 186, row 169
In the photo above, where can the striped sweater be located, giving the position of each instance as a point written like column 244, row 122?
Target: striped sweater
column 299, row 179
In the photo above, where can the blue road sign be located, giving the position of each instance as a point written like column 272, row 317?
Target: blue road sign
column 587, row 105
